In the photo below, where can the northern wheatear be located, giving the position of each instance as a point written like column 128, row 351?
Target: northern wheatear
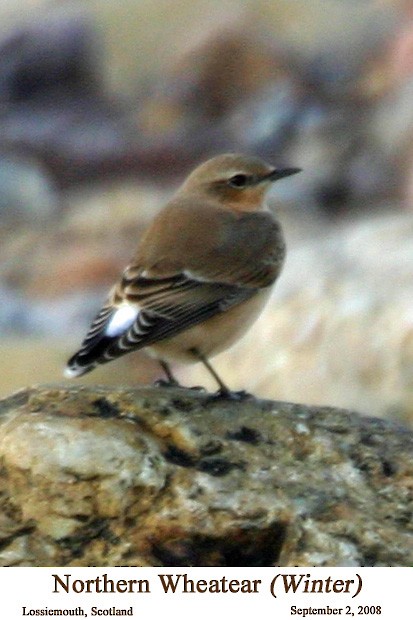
column 201, row 274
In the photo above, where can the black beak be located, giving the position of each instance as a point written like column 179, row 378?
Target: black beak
column 280, row 173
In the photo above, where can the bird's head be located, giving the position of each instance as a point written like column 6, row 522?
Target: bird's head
column 236, row 181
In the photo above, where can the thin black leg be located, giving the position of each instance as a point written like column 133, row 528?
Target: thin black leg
column 171, row 381
column 224, row 391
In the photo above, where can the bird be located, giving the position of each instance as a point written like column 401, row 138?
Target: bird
column 201, row 275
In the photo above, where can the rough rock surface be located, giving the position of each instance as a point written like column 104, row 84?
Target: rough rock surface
column 156, row 476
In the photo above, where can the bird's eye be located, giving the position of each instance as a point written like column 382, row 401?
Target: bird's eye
column 238, row 180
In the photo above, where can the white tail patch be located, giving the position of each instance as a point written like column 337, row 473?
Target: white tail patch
column 121, row 320
column 70, row 373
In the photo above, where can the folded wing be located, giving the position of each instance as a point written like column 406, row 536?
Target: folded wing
column 147, row 310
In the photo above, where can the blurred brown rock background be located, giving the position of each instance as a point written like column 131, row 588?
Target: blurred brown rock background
column 105, row 106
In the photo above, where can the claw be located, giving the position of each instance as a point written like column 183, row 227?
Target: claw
column 163, row 383
column 229, row 395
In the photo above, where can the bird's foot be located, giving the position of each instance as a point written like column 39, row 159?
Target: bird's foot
column 222, row 394
column 164, row 383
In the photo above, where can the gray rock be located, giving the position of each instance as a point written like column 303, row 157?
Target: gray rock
column 173, row 477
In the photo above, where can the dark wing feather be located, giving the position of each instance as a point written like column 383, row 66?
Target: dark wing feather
column 168, row 306
column 154, row 325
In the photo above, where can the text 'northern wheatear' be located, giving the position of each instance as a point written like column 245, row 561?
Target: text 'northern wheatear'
column 201, row 274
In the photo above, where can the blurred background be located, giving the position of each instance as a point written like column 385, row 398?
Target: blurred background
column 106, row 105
